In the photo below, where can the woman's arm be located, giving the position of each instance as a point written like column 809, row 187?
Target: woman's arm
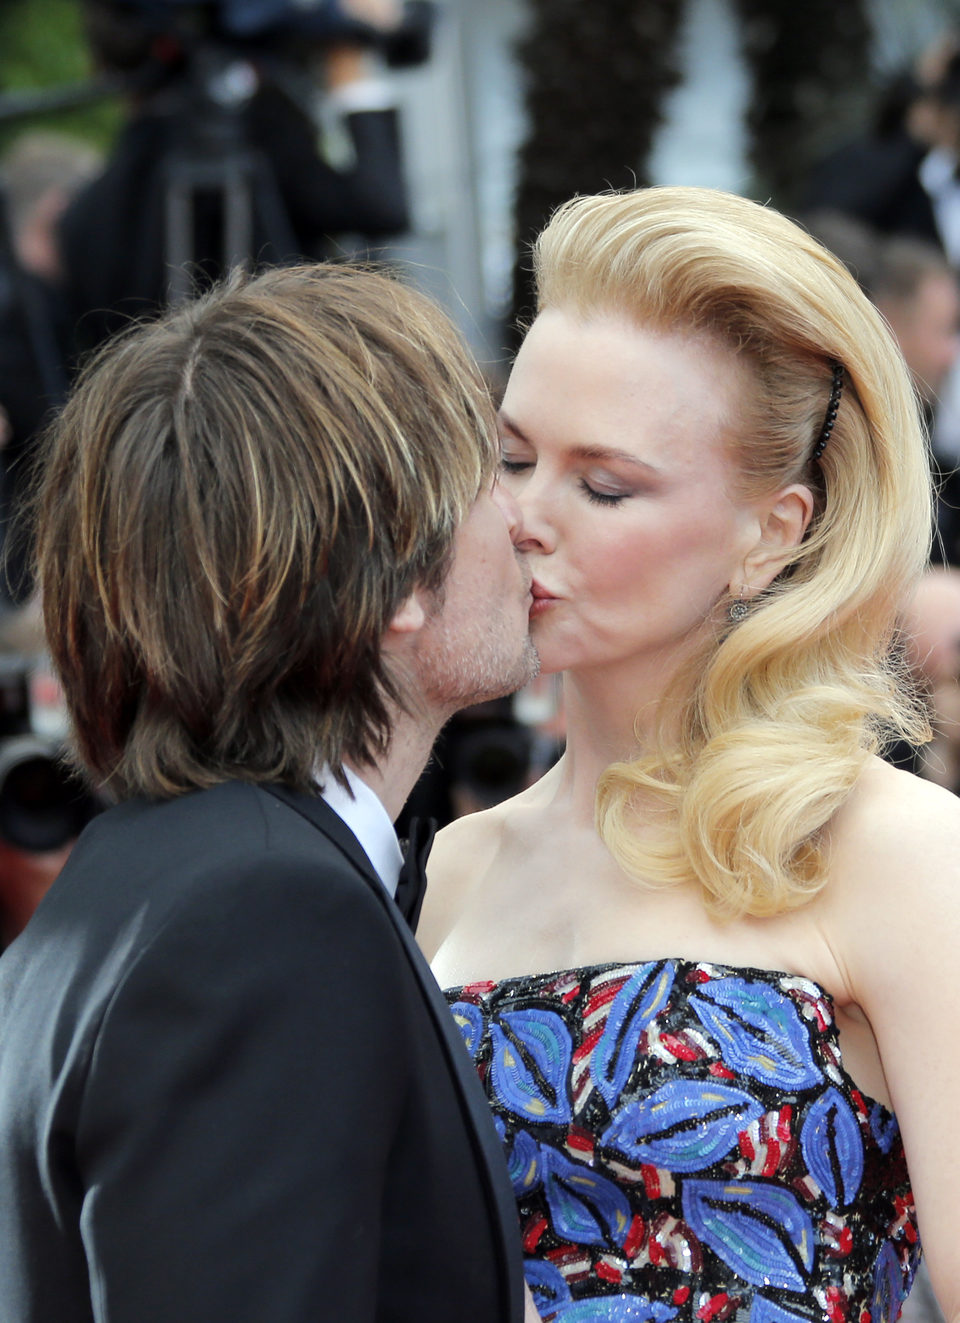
column 896, row 874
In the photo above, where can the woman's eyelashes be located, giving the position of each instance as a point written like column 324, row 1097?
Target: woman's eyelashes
column 601, row 497
column 595, row 491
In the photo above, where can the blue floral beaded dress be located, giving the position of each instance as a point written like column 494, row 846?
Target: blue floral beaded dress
column 685, row 1144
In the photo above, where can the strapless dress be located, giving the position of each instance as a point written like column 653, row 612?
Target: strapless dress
column 685, row 1144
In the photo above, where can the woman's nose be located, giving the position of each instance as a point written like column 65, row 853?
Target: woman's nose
column 537, row 531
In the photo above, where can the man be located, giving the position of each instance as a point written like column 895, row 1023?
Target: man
column 271, row 560
column 916, row 290
column 918, row 294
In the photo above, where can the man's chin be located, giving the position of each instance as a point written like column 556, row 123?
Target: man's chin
column 528, row 668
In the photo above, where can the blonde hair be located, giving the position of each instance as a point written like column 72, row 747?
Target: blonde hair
column 785, row 708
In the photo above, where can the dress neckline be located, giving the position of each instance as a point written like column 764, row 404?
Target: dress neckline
column 607, row 966
column 686, row 962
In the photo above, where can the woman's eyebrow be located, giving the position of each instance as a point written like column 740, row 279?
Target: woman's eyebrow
column 582, row 453
column 607, row 453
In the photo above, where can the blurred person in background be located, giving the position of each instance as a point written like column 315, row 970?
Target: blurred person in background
column 899, row 177
column 39, row 174
column 916, row 289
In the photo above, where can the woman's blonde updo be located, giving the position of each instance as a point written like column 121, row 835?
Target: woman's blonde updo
column 787, row 705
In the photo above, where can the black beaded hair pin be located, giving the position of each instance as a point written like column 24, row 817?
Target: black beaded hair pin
column 831, row 417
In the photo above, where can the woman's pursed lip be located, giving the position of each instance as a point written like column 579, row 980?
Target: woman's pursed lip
column 539, row 591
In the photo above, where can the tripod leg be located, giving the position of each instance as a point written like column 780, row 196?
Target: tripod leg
column 237, row 201
column 280, row 243
column 178, row 223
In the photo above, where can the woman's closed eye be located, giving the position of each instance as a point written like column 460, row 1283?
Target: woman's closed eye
column 509, row 464
column 601, row 489
column 601, row 494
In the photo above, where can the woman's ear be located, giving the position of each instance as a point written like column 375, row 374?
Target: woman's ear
column 783, row 522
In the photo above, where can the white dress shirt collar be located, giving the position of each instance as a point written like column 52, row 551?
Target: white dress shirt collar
column 938, row 175
column 369, row 821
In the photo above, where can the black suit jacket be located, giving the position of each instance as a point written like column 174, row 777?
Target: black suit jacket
column 231, row 1092
column 875, row 179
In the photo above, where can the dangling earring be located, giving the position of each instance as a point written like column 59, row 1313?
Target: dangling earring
column 738, row 610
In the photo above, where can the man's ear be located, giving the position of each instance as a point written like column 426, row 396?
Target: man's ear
column 783, row 522
column 409, row 617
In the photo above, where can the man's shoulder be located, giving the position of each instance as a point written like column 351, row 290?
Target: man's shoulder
column 233, row 856
column 229, row 887
column 234, row 822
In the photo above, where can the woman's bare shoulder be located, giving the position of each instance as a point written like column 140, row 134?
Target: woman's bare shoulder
column 462, row 856
column 466, row 847
column 893, row 818
column 892, row 906
column 894, row 868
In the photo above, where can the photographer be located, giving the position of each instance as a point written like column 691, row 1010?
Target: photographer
column 222, row 141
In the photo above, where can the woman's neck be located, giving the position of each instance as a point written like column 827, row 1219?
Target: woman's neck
column 609, row 718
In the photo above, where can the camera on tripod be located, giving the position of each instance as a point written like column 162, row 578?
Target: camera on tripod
column 223, row 161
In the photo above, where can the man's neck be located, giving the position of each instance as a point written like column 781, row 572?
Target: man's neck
column 394, row 775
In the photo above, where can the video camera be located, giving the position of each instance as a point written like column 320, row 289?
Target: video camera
column 125, row 32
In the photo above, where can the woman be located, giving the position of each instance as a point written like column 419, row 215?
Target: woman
column 707, row 957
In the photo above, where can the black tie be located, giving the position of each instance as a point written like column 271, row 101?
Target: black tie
column 412, row 882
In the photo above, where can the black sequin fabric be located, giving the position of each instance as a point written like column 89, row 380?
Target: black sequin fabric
column 685, row 1144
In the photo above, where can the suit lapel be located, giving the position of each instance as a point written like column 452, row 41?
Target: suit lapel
column 463, row 1074
column 319, row 812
